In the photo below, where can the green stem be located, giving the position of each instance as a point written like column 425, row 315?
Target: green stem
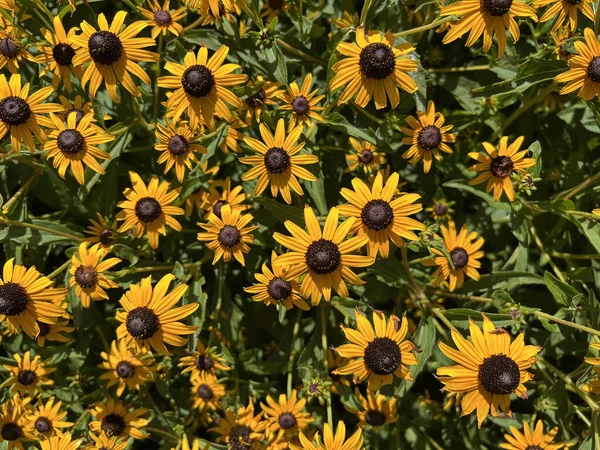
column 434, row 24
column 325, row 348
column 527, row 105
column 367, row 114
column 66, row 264
column 163, row 432
column 194, row 24
column 540, row 246
column 24, row 187
column 365, row 11
column 571, row 256
column 156, row 408
column 583, row 328
column 284, row 45
column 454, row 296
column 411, row 279
column 439, row 312
column 590, row 216
column 290, row 376
column 156, row 75
column 15, row 223
column 102, row 338
column 581, row 186
column 460, row 69
column 217, row 313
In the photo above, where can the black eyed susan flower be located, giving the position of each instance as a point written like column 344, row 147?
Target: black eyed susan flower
column 48, row 419
column 365, row 156
column 241, row 430
column 253, row 105
column 149, row 319
column 584, row 73
column 215, row 10
column 53, row 332
column 553, row 102
column 324, row 256
column 441, row 210
column 213, row 200
column 465, row 251
column 15, row 427
column 374, row 67
column 229, row 235
column 489, row 368
column 380, row 216
column 56, row 55
column 104, row 442
column 376, row 411
column 498, row 165
column 26, row 298
column 87, row 273
column 118, row 419
column 559, row 37
column 275, row 287
column 21, row 113
column 126, row 369
column 201, row 86
column 203, row 360
column 76, row 145
column 61, row 442
column 272, row 8
column 566, row 10
column 101, row 232
column 233, row 137
column 207, row 392
column 178, row 147
column 332, row 441
column 30, row 374
column 487, row 17
column 346, row 21
column 302, row 103
column 278, row 162
column 77, row 107
column 532, row 438
column 149, row 209
column 427, row 136
column 162, row 19
column 11, row 50
column 377, row 354
column 111, row 54
column 285, row 417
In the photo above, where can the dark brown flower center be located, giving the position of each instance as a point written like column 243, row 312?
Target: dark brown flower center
column 44, row 328
column 382, row 356
column 377, row 215
column 575, row 2
column 440, row 209
column 229, row 236
column 366, row 156
column 430, row 137
column 86, row 276
column 277, row 160
column 142, row 323
column 9, row 47
column 63, row 54
column 501, row 166
column 533, row 447
column 323, row 256
column 217, row 207
column 239, row 438
column 375, row 418
column 279, row 289
column 204, row 363
column 593, row 70
column 14, row 110
column 27, row 377
column 43, row 425
column 11, row 431
column 496, row 7
column 499, row 375
column 178, row 145
column 106, row 237
column 13, row 299
column 125, row 369
column 287, row 420
column 70, row 141
column 276, row 4
column 113, row 425
column 256, row 99
column 148, row 209
column 163, row 17
column 105, row 47
column 377, row 61
column 205, row 392
column 460, row 257
column 300, row 105
column 79, row 114
column 198, row 81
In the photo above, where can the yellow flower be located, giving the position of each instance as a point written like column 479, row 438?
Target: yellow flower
column 566, row 11
column 373, row 67
column 286, row 417
column 489, row 368
column 229, row 235
column 125, row 368
column 302, row 103
column 584, row 73
column 213, row 200
column 365, row 156
column 47, row 419
column 11, row 50
column 201, row 86
column 346, row 21
column 150, row 319
column 149, row 209
column 277, row 162
column 532, row 438
column 104, row 442
column 118, row 420
column 162, row 19
column 101, row 232
column 53, row 332
column 254, row 104
column 29, row 374
column 376, row 411
column 379, row 215
column 241, row 429
column 207, row 392
column 487, row 17
column 559, row 37
column 61, row 442
column 203, row 360
column 427, row 136
column 272, row 8
column 331, row 441
column 15, row 427
column 377, row 354
column 441, row 210
column 178, row 147
column 498, row 165
column 111, row 55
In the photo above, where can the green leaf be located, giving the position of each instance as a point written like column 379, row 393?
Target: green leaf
column 282, row 212
column 214, row 144
column 536, row 149
column 460, row 317
column 501, row 280
column 339, row 123
column 316, row 189
column 562, row 292
column 462, row 186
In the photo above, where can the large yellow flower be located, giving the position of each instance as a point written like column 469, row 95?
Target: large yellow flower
column 374, row 67
column 11, row 50
column 376, row 410
column 302, row 103
column 566, row 10
column 104, row 442
column 379, row 353
column 29, row 374
column 203, row 360
column 118, row 419
column 532, row 438
column 584, row 73
column 162, row 19
column 332, row 441
column 201, row 86
column 178, row 147
column 381, row 214
column 110, row 54
column 487, row 17
column 61, row 442
column 242, row 429
column 285, row 417
column 48, row 418
column 207, row 392
column 324, row 257
column 490, row 368
column 15, row 427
